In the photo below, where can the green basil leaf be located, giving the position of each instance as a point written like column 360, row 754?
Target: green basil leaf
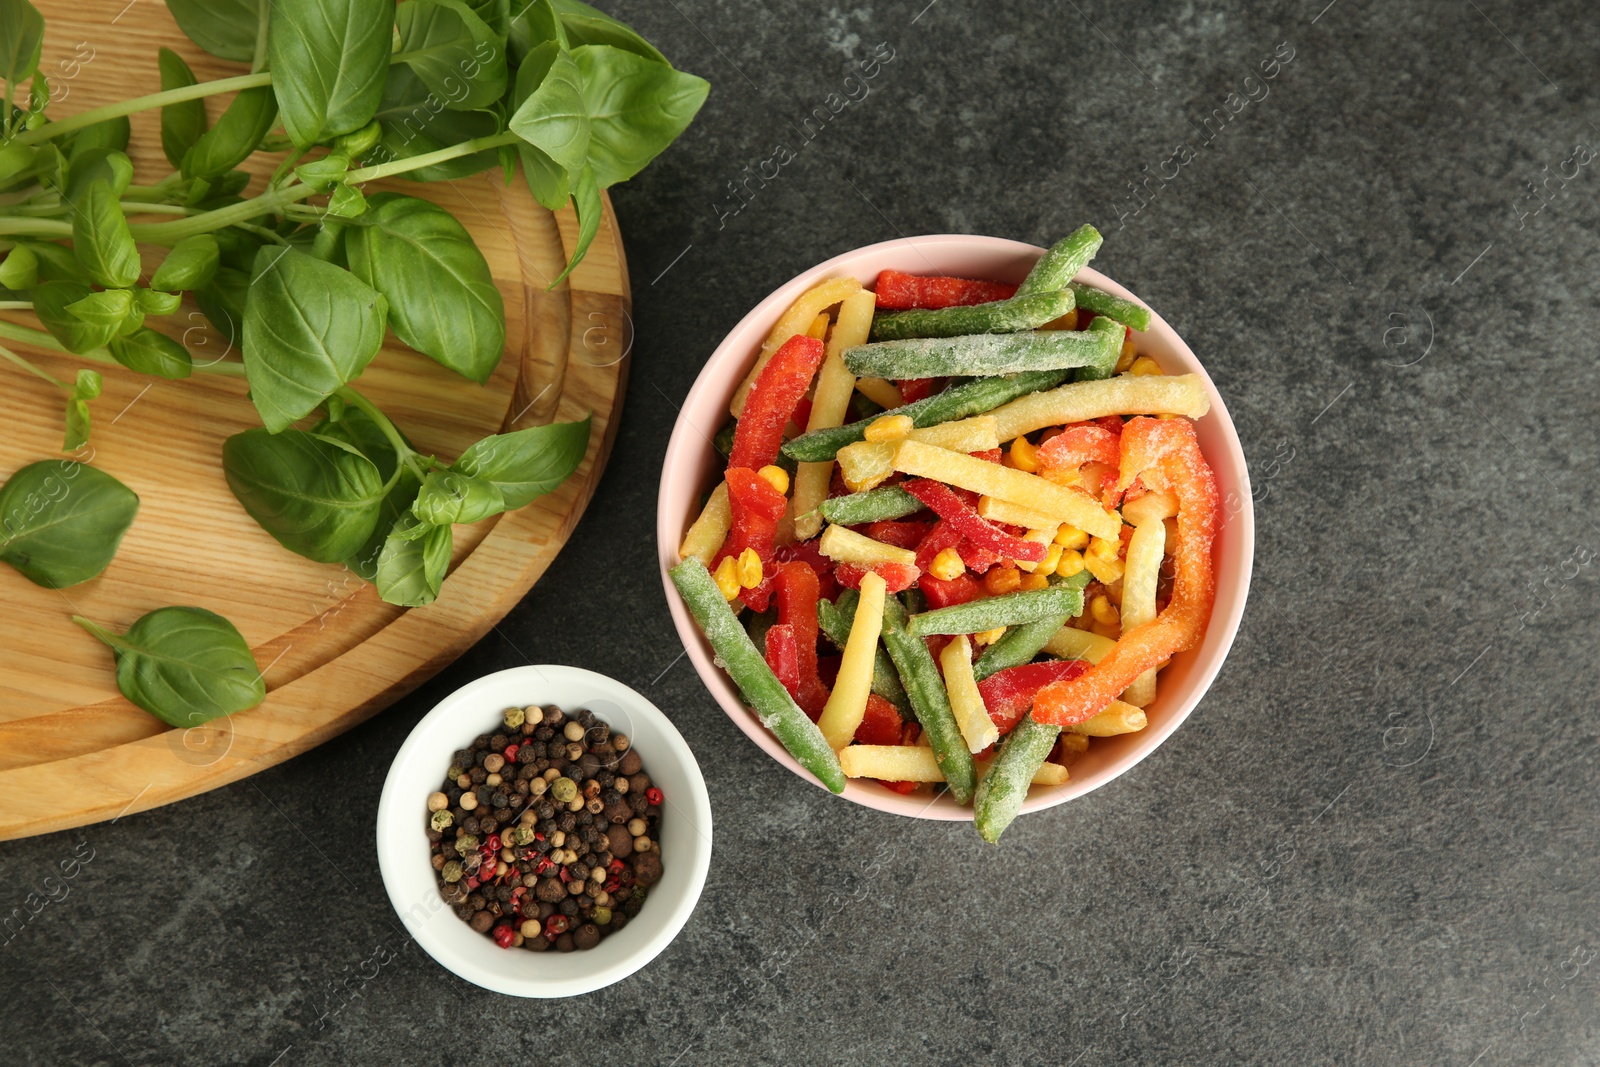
column 20, row 269
column 181, row 124
column 636, row 108
column 236, row 135
column 85, row 389
column 329, row 59
column 553, row 117
column 108, row 164
column 16, row 158
column 50, row 300
column 534, row 25
column 316, row 495
column 413, row 563
column 154, row 303
column 449, row 496
column 442, row 299
column 109, row 308
column 590, row 208
column 526, row 464
column 496, row 14
column 415, row 121
column 185, row 666
column 112, row 134
column 56, row 263
column 355, row 428
column 322, row 174
column 456, row 54
column 21, row 35
column 309, row 327
column 101, row 239
column 585, row 25
column 191, row 264
column 88, row 384
column 132, row 322
column 547, row 181
column 225, row 28
column 61, row 521
column 151, row 352
column 237, row 248
column 222, row 301
column 359, row 142
column 347, row 202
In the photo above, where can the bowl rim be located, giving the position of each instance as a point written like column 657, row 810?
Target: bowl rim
column 685, row 449
column 441, row 731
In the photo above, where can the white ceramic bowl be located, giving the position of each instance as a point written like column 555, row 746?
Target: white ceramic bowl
column 692, row 465
column 418, row 769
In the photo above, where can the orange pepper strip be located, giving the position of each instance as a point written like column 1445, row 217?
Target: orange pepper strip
column 1164, row 454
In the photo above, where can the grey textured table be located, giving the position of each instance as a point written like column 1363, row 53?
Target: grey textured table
column 1373, row 843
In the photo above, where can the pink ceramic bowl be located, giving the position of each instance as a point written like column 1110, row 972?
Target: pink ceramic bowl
column 692, row 464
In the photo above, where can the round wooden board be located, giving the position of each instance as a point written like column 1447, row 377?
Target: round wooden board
column 72, row 750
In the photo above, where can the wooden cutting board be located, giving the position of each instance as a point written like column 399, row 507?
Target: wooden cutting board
column 72, row 750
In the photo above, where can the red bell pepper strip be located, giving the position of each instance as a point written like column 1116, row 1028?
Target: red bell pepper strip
column 940, row 536
column 881, row 724
column 897, row 291
column 961, row 589
column 756, row 507
column 977, row 558
column 1166, row 455
column 808, row 553
column 797, row 613
column 783, row 656
column 1077, row 445
column 896, row 533
column 897, row 577
column 1008, row 694
column 914, row 389
column 973, row 528
column 773, row 398
column 990, row 454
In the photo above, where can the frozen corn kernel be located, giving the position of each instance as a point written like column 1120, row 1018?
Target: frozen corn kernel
column 727, row 577
column 1103, row 611
column 889, row 428
column 1072, row 537
column 749, row 569
column 1071, row 563
column 1127, row 356
column 1023, row 455
column 1036, row 580
column 1001, row 580
column 1105, row 549
column 989, row 637
column 947, row 565
column 1144, row 365
column 776, row 477
column 1052, row 556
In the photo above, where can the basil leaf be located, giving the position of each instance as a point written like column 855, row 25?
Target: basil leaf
column 16, row 158
column 415, row 121
column 181, row 124
column 109, row 308
column 50, row 301
column 151, row 352
column 20, row 269
column 547, row 181
column 322, row 174
column 222, row 301
column 636, row 108
column 225, row 28
column 112, row 134
column 61, row 521
column 237, row 248
column 347, row 202
column 154, row 303
column 56, row 262
column 355, row 428
column 455, row 53
column 496, row 14
column 21, row 35
column 101, row 239
column 184, row 665
column 329, row 59
column 236, row 135
column 585, row 25
column 85, row 389
column 413, row 562
column 316, row 495
column 110, row 164
column 526, row 464
column 449, row 496
column 552, row 117
column 442, row 299
column 590, row 208
column 536, row 24
column 309, row 327
column 191, row 264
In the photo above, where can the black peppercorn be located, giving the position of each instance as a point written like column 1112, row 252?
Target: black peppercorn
column 477, row 774
column 568, row 907
column 499, row 741
column 543, row 733
column 566, row 821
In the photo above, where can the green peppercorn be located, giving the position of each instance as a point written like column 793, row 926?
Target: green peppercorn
column 453, row 871
column 522, row 835
column 602, row 916
column 467, row 843
column 455, row 771
column 514, row 718
column 441, row 820
column 565, row 790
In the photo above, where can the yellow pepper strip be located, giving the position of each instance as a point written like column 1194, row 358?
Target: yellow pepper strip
column 798, row 319
column 1072, row 643
column 917, row 763
column 991, row 479
column 705, row 537
column 977, row 729
column 996, row 510
column 829, row 406
column 1152, row 507
column 1182, row 394
column 880, row 391
column 847, row 704
column 819, row 327
column 843, row 545
column 1118, row 717
column 1143, row 568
